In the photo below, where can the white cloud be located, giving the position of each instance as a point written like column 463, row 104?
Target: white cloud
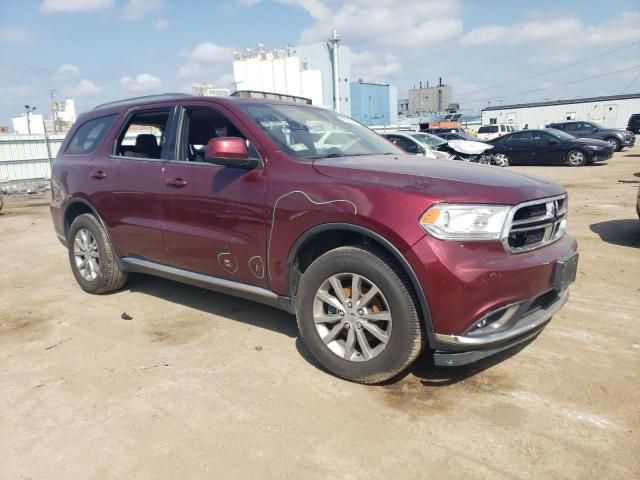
column 625, row 28
column 10, row 35
column 209, row 53
column 372, row 66
column 563, row 32
column 136, row 9
column 85, row 88
column 51, row 6
column 205, row 60
column 160, row 24
column 391, row 23
column 140, row 83
column 66, row 71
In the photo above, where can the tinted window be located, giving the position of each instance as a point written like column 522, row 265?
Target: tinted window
column 540, row 137
column 519, row 137
column 200, row 126
column 404, row 143
column 144, row 135
column 488, row 129
column 89, row 135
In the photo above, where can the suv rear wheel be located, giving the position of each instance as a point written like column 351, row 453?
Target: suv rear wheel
column 92, row 258
column 357, row 315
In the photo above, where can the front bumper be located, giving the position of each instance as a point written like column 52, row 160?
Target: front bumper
column 533, row 317
column 629, row 141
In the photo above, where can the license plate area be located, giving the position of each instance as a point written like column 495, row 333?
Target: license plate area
column 566, row 270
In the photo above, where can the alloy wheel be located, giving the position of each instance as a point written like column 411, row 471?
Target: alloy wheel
column 352, row 317
column 86, row 254
column 501, row 160
column 576, row 158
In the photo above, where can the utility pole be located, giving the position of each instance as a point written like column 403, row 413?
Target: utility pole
column 54, row 110
column 334, row 44
column 29, row 109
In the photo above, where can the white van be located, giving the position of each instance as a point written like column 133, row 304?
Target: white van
column 488, row 132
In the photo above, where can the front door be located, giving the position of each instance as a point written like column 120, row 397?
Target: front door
column 546, row 148
column 214, row 215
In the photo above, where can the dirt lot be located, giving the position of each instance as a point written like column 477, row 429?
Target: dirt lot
column 200, row 385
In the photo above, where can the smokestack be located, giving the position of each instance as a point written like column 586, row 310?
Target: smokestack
column 427, row 83
column 440, row 82
column 334, row 42
column 420, row 83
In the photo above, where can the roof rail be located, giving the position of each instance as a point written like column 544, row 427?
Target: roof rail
column 161, row 96
column 273, row 96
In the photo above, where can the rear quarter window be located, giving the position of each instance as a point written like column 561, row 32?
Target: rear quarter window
column 89, row 135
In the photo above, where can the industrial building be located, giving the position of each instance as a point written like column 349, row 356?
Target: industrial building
column 426, row 99
column 611, row 111
column 319, row 71
column 374, row 103
column 209, row 90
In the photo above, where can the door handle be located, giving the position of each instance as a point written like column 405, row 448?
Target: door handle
column 98, row 174
column 176, row 183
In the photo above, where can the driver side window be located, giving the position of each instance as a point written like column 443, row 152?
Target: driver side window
column 201, row 124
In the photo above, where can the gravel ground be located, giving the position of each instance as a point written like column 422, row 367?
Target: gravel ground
column 201, row 385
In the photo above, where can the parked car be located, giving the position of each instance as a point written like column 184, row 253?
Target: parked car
column 618, row 139
column 634, row 123
column 378, row 255
column 458, row 136
column 417, row 143
column 548, row 146
column 489, row 132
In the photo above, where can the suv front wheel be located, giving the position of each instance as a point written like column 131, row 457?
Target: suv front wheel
column 357, row 315
column 92, row 258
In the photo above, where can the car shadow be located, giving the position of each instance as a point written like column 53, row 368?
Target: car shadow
column 227, row 306
column 632, row 155
column 625, row 233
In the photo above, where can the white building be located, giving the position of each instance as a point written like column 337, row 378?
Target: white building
column 32, row 123
column 66, row 111
column 612, row 111
column 316, row 71
column 277, row 71
column 209, row 90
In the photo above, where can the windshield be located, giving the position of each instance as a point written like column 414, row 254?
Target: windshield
column 305, row 132
column 561, row 135
column 427, row 139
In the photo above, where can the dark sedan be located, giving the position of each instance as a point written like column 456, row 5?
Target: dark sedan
column 546, row 147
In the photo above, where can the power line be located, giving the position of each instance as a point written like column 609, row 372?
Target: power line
column 554, row 86
column 631, row 83
column 529, row 77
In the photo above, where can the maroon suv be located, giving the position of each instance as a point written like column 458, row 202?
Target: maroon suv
column 379, row 254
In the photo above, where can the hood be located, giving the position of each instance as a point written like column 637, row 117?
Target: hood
column 591, row 141
column 469, row 147
column 440, row 180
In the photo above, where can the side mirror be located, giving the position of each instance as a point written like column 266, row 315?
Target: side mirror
column 596, row 129
column 553, row 141
column 229, row 152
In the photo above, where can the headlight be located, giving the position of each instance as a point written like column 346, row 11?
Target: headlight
column 465, row 222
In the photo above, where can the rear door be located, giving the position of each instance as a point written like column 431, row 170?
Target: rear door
column 517, row 147
column 131, row 205
column 214, row 215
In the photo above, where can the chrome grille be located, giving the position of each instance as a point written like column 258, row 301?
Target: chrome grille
column 536, row 224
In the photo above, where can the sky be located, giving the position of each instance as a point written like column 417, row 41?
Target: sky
column 497, row 52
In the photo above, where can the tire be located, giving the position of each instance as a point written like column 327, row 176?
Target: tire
column 380, row 360
column 88, row 240
column 614, row 142
column 501, row 160
column 576, row 158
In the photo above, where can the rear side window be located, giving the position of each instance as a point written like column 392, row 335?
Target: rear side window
column 488, row 129
column 89, row 135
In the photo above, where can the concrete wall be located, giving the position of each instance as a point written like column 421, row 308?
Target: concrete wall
column 613, row 113
column 429, row 100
